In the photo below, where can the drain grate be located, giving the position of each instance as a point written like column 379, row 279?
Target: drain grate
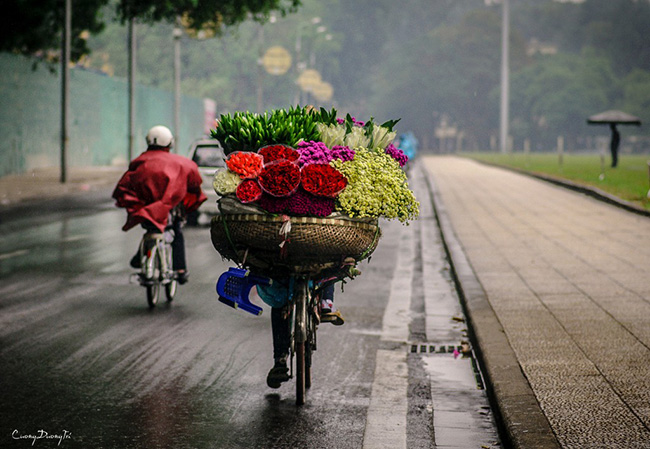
column 464, row 349
column 426, row 348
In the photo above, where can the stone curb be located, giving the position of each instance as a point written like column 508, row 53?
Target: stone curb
column 522, row 423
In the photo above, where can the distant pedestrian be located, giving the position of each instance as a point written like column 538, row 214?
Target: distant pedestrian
column 613, row 146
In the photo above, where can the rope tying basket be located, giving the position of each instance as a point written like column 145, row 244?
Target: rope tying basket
column 299, row 244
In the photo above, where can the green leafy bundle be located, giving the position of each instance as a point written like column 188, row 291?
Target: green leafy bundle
column 246, row 131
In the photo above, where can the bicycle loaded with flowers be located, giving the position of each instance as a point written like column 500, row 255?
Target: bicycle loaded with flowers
column 300, row 200
column 304, row 189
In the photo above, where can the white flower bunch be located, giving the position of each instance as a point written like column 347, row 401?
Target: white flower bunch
column 331, row 135
column 381, row 137
column 225, row 181
column 357, row 138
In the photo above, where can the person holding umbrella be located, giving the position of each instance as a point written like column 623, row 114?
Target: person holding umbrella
column 613, row 146
column 613, row 118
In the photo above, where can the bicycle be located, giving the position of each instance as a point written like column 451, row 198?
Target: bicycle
column 156, row 261
column 156, row 266
column 304, row 306
column 306, row 311
column 310, row 253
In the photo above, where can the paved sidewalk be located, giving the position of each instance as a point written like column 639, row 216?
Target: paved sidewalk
column 557, row 290
column 45, row 183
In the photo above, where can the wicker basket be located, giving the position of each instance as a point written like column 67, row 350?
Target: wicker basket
column 312, row 245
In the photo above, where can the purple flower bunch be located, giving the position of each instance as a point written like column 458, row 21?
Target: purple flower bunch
column 300, row 203
column 342, row 153
column 317, row 153
column 397, row 154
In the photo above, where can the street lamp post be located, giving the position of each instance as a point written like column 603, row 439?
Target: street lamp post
column 177, row 83
column 65, row 88
column 132, row 59
column 300, row 66
column 505, row 82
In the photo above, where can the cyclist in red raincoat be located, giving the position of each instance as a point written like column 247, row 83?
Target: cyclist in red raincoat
column 155, row 183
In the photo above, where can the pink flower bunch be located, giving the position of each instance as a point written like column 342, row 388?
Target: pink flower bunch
column 397, row 154
column 313, row 153
column 300, row 203
column 317, row 153
column 356, row 122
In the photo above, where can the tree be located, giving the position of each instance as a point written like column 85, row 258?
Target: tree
column 636, row 94
column 557, row 93
column 449, row 71
column 36, row 25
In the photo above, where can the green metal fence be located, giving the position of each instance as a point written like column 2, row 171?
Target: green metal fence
column 30, row 117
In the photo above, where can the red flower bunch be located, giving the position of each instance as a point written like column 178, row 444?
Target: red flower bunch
column 245, row 164
column 272, row 153
column 248, row 191
column 322, row 180
column 280, row 178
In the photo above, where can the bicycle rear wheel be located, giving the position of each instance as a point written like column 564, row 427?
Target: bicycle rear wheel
column 153, row 285
column 170, row 290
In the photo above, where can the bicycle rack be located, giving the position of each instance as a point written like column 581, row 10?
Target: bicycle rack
column 234, row 286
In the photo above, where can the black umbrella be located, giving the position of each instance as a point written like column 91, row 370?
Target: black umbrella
column 613, row 118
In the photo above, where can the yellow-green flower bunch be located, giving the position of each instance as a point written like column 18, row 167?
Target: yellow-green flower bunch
column 377, row 187
column 225, row 181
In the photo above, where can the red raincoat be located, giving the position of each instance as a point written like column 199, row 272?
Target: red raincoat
column 155, row 182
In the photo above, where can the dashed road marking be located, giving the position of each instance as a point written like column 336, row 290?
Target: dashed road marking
column 397, row 318
column 12, row 254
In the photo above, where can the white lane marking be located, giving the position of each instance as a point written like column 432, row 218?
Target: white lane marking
column 386, row 423
column 386, row 420
column 397, row 317
column 17, row 253
column 75, row 238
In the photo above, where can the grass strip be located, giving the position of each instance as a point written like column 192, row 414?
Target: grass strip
column 630, row 181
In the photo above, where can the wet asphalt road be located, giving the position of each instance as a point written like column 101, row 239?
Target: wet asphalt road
column 83, row 359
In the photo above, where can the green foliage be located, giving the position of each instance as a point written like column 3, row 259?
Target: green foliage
column 36, row 26
column 246, row 131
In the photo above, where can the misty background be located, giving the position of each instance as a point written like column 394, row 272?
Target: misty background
column 433, row 63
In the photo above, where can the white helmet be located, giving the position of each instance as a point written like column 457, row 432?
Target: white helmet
column 160, row 136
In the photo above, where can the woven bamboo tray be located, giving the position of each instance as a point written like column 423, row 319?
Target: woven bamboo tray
column 312, row 245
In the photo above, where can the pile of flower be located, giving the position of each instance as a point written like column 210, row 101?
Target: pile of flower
column 339, row 165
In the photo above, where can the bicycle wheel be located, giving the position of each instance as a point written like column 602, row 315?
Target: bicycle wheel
column 170, row 290
column 300, row 335
column 171, row 283
column 153, row 284
column 300, row 373
column 308, row 353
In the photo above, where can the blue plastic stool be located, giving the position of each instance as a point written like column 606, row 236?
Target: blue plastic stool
column 234, row 286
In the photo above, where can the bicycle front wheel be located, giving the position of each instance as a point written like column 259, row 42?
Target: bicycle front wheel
column 300, row 373
column 300, row 336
